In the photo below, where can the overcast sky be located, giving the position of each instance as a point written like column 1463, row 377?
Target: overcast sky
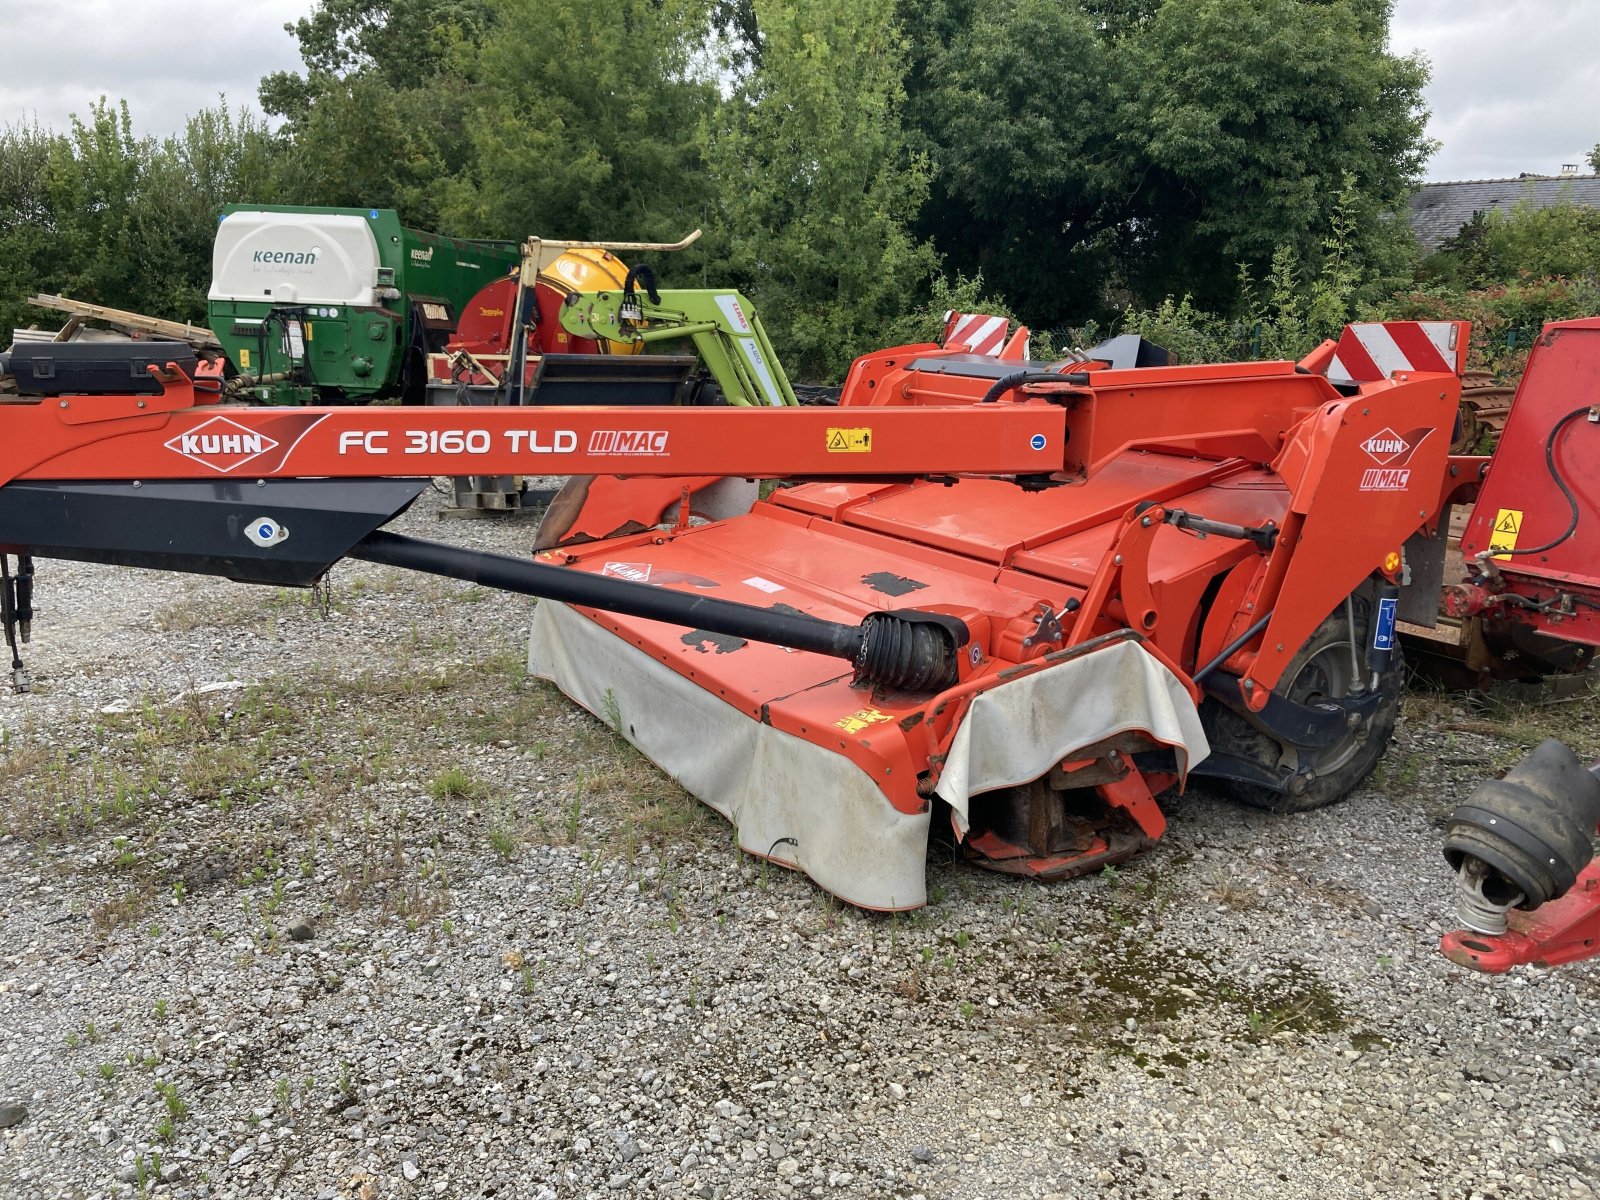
column 1516, row 83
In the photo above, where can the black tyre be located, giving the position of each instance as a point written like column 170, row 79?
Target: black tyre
column 1322, row 670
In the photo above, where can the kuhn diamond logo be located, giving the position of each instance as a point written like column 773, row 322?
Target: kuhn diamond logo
column 631, row 571
column 1385, row 446
column 221, row 444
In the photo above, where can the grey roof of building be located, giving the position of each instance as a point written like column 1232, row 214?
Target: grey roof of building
column 1439, row 210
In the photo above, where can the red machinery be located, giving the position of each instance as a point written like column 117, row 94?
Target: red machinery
column 478, row 359
column 1532, row 543
column 1207, row 583
column 1031, row 597
column 1522, row 845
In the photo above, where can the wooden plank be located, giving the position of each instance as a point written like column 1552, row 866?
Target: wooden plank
column 196, row 335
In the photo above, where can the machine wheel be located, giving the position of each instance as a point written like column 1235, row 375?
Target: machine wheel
column 1321, row 670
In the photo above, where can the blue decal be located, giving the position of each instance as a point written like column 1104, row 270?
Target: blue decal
column 1037, row 441
column 374, row 214
column 1383, row 631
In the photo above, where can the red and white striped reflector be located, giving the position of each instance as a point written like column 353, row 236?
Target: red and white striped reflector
column 980, row 334
column 1377, row 350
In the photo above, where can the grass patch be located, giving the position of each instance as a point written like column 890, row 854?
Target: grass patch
column 455, row 784
column 309, row 777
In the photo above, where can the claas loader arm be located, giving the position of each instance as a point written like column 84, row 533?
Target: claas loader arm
column 736, row 352
column 723, row 324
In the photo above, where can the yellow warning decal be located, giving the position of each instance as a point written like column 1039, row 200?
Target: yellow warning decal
column 849, row 441
column 860, row 719
column 1507, row 526
column 244, row 359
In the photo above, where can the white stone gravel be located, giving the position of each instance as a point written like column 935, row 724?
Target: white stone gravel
column 1255, row 1008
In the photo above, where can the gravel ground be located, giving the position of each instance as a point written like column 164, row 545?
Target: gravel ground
column 384, row 919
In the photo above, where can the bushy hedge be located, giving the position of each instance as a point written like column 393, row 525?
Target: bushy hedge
column 1479, row 277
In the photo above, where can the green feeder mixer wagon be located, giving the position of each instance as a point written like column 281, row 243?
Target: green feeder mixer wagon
column 339, row 305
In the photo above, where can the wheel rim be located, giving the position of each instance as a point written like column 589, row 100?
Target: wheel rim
column 1328, row 675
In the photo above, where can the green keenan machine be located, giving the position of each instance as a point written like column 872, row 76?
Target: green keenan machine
column 339, row 305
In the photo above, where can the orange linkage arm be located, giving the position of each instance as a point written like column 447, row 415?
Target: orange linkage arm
column 171, row 437
column 1381, row 453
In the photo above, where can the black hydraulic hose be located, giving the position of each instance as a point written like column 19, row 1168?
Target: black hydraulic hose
column 641, row 275
column 1018, row 379
column 1555, row 474
column 795, row 630
column 526, row 322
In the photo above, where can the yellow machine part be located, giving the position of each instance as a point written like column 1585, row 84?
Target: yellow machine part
column 589, row 270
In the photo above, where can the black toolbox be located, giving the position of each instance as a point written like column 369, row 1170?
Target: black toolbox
column 96, row 368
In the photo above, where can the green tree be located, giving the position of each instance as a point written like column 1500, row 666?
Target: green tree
column 1090, row 153
column 102, row 215
column 379, row 115
column 1022, row 189
column 93, row 186
column 586, row 128
column 1239, row 123
column 28, row 230
column 818, row 187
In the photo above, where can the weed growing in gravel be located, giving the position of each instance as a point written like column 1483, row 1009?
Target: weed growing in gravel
column 1229, row 892
column 177, row 1110
column 580, row 891
column 1297, row 1014
column 911, row 986
column 241, row 609
column 503, row 844
column 1399, row 770
column 1018, row 902
column 145, row 1173
column 455, row 784
column 108, row 1071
